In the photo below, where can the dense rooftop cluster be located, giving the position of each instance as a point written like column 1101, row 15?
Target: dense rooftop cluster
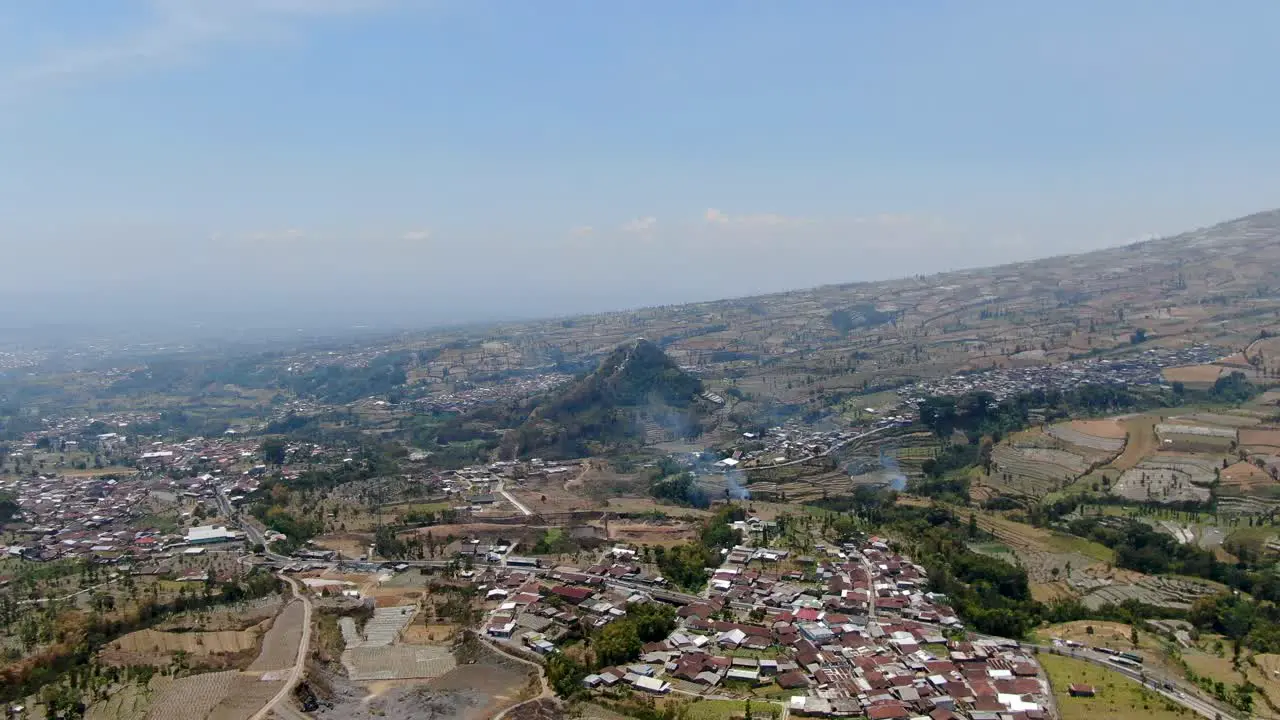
column 1144, row 368
column 853, row 634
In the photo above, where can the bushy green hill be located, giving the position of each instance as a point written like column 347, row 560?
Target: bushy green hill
column 635, row 393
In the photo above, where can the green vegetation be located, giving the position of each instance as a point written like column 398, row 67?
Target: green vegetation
column 1117, row 696
column 863, row 315
column 8, row 508
column 978, row 413
column 1234, row 388
column 564, row 674
column 672, row 483
column 685, row 565
column 1140, row 547
column 603, row 410
column 554, row 542
column 617, row 643
column 70, row 640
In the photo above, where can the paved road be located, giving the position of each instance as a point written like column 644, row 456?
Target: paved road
column 1180, row 694
column 518, row 505
column 299, row 666
column 826, row 452
column 871, row 589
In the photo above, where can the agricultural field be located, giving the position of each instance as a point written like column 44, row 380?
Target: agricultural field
column 703, row 709
column 1033, row 472
column 1104, row 436
column 127, row 702
column 1245, row 478
column 1100, row 633
column 1117, row 696
column 158, row 648
column 1264, row 441
column 1195, row 377
column 1167, row 477
column 1159, row 590
column 193, row 696
column 1052, row 560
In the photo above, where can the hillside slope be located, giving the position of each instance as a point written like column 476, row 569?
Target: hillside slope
column 636, row 395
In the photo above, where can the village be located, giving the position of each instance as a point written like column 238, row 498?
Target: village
column 855, row 633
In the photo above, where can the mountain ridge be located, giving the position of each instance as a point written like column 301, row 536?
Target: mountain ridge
column 635, row 387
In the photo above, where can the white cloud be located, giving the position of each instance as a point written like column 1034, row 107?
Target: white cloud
column 639, row 225
column 416, row 235
column 174, row 31
column 717, row 217
column 269, row 236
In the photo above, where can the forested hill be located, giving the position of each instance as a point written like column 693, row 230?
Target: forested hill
column 635, row 391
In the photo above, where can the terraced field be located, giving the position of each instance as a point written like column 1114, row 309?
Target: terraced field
column 397, row 662
column 1033, row 472
column 1260, row 440
column 192, row 643
column 1161, row 591
column 247, row 696
column 1240, row 419
column 191, row 697
column 1105, row 436
column 1240, row 506
column 1245, row 478
column 1048, row 557
column 129, row 702
column 1169, row 478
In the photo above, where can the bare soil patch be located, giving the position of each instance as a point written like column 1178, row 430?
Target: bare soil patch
column 1195, row 376
column 1109, row 428
column 1261, row 438
column 1142, row 441
column 192, row 643
column 1246, row 477
column 671, row 533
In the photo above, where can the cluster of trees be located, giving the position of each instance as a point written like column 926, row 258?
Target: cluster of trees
column 685, row 565
column 1234, row 388
column 862, row 315
column 978, row 413
column 990, row 594
column 617, row 643
column 554, row 542
column 83, row 635
column 681, row 489
column 340, row 384
column 8, row 507
column 275, row 513
column 443, row 516
column 1140, row 547
column 1246, row 622
column 603, row 409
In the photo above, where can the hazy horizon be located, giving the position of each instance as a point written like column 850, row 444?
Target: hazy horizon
column 402, row 163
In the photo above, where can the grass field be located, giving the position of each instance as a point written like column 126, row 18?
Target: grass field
column 1117, row 696
column 730, row 709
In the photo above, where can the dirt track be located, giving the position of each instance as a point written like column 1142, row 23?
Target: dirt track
column 1142, row 441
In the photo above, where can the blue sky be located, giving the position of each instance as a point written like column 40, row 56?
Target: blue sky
column 466, row 160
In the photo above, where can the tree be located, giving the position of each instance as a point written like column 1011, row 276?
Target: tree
column 565, row 675
column 273, row 451
column 617, row 643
